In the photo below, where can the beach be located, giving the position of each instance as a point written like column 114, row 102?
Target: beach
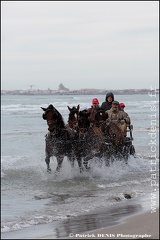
column 36, row 204
column 129, row 220
column 144, row 225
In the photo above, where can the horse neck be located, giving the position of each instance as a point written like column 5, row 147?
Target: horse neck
column 60, row 126
column 83, row 131
column 119, row 135
column 102, row 126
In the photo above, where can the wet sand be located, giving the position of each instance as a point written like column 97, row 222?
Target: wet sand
column 125, row 220
column 144, row 225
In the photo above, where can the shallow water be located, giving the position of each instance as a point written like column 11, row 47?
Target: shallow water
column 31, row 196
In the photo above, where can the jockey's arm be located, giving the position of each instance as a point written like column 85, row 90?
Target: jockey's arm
column 124, row 118
column 127, row 118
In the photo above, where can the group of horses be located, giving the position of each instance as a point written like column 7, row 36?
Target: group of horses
column 80, row 140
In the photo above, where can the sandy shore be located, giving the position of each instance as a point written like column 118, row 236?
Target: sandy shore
column 144, row 225
column 128, row 220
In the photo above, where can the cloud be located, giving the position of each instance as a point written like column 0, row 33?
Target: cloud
column 81, row 40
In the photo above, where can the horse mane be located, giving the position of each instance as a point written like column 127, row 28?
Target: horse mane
column 60, row 121
column 101, row 115
column 83, row 112
column 83, row 115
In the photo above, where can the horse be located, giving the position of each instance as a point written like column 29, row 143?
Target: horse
column 73, row 117
column 114, row 137
column 90, row 138
column 60, row 140
column 110, row 128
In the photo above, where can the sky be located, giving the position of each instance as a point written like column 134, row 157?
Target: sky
column 81, row 44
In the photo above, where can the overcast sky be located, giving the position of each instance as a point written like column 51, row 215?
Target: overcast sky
column 82, row 44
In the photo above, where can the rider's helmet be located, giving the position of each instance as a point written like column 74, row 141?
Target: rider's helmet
column 95, row 101
column 122, row 104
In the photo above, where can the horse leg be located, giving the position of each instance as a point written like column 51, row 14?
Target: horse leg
column 48, row 152
column 71, row 159
column 47, row 160
column 107, row 162
column 79, row 160
column 85, row 163
column 59, row 162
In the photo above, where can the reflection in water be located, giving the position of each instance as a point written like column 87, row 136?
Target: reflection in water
column 85, row 223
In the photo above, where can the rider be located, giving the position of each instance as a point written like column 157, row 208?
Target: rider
column 122, row 106
column 108, row 101
column 118, row 116
column 93, row 123
column 93, row 110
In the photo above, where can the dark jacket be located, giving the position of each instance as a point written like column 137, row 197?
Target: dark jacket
column 92, row 111
column 107, row 105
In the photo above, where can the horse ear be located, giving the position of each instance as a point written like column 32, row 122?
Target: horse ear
column 44, row 109
column 50, row 106
column 78, row 107
column 69, row 108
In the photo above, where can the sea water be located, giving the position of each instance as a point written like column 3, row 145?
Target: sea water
column 30, row 196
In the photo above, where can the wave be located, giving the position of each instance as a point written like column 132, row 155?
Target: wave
column 70, row 192
column 62, row 104
column 30, row 165
column 19, row 109
column 36, row 220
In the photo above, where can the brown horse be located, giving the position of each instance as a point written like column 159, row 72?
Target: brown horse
column 110, row 128
column 114, row 136
column 90, row 138
column 73, row 117
column 60, row 141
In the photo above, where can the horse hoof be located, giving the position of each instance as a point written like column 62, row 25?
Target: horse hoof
column 87, row 168
column 56, row 174
column 81, row 170
column 49, row 170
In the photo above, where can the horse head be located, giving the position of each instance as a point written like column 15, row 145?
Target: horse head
column 83, row 121
column 53, row 118
column 73, row 116
column 100, row 118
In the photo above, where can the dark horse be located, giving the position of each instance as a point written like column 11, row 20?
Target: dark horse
column 109, row 128
column 103, row 139
column 73, row 117
column 114, row 137
column 91, row 138
column 60, row 140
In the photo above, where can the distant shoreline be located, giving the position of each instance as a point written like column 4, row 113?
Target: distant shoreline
column 77, row 92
